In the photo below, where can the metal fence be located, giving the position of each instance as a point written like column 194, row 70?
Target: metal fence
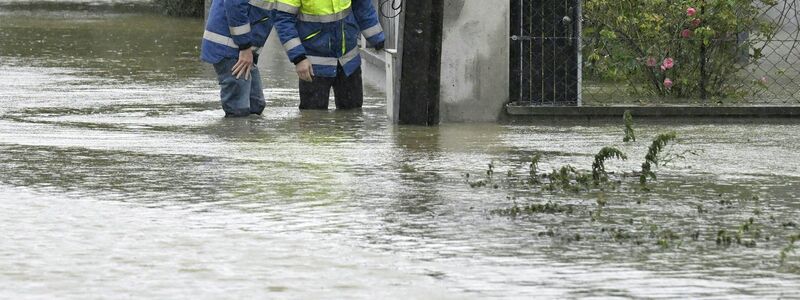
column 545, row 52
column 706, row 52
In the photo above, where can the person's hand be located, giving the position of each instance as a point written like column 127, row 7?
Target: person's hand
column 305, row 71
column 244, row 65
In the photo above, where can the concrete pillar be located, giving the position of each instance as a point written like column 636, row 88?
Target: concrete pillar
column 475, row 60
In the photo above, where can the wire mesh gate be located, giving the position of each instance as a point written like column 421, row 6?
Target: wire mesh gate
column 545, row 62
column 704, row 52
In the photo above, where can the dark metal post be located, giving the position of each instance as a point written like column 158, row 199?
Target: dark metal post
column 422, row 56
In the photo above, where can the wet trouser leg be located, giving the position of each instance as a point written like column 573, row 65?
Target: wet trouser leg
column 239, row 97
column 257, row 101
column 348, row 91
column 315, row 94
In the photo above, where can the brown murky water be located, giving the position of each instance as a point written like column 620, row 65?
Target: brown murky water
column 119, row 177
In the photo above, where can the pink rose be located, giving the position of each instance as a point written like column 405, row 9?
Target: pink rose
column 691, row 11
column 696, row 23
column 686, row 33
column 663, row 68
column 668, row 63
column 651, row 61
column 668, row 83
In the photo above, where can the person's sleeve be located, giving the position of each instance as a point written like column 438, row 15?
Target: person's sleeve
column 236, row 12
column 285, row 22
column 367, row 18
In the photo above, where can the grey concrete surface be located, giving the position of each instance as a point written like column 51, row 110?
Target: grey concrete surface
column 475, row 60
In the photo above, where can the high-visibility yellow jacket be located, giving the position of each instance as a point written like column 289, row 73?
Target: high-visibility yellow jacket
column 326, row 32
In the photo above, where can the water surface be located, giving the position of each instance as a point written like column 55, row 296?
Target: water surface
column 120, row 177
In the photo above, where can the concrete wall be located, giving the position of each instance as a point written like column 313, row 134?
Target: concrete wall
column 475, row 60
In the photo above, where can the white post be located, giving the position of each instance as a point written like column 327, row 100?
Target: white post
column 392, row 105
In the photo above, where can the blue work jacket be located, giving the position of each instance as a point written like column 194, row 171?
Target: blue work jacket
column 235, row 25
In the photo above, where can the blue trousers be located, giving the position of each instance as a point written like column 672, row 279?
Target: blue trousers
column 239, row 97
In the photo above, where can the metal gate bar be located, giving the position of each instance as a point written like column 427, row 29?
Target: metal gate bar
column 545, row 43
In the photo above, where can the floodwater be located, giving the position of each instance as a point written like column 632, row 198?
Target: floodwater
column 120, row 178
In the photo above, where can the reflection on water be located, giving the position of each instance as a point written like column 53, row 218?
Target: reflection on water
column 120, row 176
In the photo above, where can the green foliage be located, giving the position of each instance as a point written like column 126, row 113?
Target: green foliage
column 629, row 41
column 181, row 8
column 630, row 136
column 670, row 157
column 652, row 157
column 665, row 237
column 598, row 166
column 724, row 238
column 564, row 177
column 789, row 248
column 536, row 208
column 488, row 181
column 568, row 178
column 535, row 167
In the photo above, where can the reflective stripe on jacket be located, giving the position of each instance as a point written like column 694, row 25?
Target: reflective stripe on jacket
column 235, row 24
column 326, row 32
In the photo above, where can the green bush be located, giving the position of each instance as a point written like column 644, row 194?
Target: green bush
column 680, row 48
column 181, row 8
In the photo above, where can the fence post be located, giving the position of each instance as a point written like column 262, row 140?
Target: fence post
column 420, row 77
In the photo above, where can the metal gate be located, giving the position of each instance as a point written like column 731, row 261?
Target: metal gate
column 545, row 52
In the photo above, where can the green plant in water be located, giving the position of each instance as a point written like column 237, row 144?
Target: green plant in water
column 601, row 200
column 748, row 227
column 535, row 167
column 536, row 208
column 789, row 248
column 651, row 159
column 477, row 184
column 665, row 238
column 563, row 177
column 599, row 173
column 670, row 157
column 630, row 136
column 406, row 168
column 723, row 238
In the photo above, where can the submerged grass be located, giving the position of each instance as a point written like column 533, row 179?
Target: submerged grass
column 630, row 135
column 622, row 213
column 535, row 208
column 653, row 153
column 790, row 248
column 599, row 173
